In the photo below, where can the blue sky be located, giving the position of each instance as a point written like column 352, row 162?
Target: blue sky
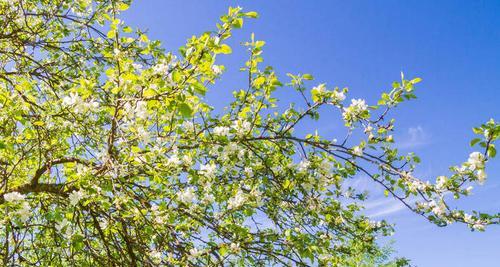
column 453, row 45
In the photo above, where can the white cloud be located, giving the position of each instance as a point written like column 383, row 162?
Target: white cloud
column 415, row 137
column 385, row 207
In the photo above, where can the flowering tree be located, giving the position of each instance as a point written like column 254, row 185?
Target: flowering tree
column 110, row 155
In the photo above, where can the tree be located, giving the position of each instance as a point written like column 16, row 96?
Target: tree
column 110, row 156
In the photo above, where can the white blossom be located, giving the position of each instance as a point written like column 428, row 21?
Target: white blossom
column 242, row 127
column 208, row 198
column 194, row 252
column 141, row 110
column 71, row 99
column 64, row 228
column 357, row 150
column 236, row 201
column 14, row 197
column 188, row 126
column 359, row 104
column 75, row 197
column 24, row 212
column 187, row 195
column 216, row 69
column 437, row 208
column 468, row 190
column 479, row 225
column 221, row 131
column 156, row 256
column 208, row 169
column 357, row 107
column 235, row 247
column 441, row 181
column 248, row 171
column 174, row 160
column 303, row 165
column 320, row 88
column 476, row 161
column 338, row 96
column 103, row 223
column 481, row 176
column 137, row 111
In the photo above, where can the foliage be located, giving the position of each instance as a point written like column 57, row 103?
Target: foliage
column 110, row 155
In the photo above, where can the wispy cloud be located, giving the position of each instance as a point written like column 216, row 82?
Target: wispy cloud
column 384, row 207
column 415, row 137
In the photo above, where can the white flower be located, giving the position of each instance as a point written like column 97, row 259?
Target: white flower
column 143, row 135
column 437, row 208
column 194, row 252
column 242, row 127
column 468, row 190
column 257, row 194
column 60, row 226
column 359, row 104
column 248, row 171
column 357, row 107
column 187, row 195
column 25, row 212
column 216, row 69
column 64, row 228
column 321, row 88
column 13, row 197
column 103, row 223
column 468, row 218
column 92, row 105
column 235, row 247
column 441, row 181
column 160, row 68
column 156, row 256
column 476, row 161
column 303, row 165
column 221, row 131
column 188, row 125
column 338, row 96
column 187, row 160
column 141, row 110
column 481, row 176
column 478, row 226
column 208, row 198
column 208, row 169
column 236, row 201
column 325, row 166
column 75, row 197
column 174, row 160
column 71, row 100
column 357, row 150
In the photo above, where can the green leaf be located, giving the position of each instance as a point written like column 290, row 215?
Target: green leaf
column 186, row 110
column 259, row 81
column 127, row 29
column 122, row 6
column 416, row 80
column 492, row 151
column 224, row 49
column 307, row 77
column 111, row 34
column 199, row 88
column 474, row 141
column 238, row 23
column 252, row 14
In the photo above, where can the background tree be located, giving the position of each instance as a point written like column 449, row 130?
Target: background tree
column 109, row 154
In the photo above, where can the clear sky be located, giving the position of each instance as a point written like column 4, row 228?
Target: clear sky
column 453, row 45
